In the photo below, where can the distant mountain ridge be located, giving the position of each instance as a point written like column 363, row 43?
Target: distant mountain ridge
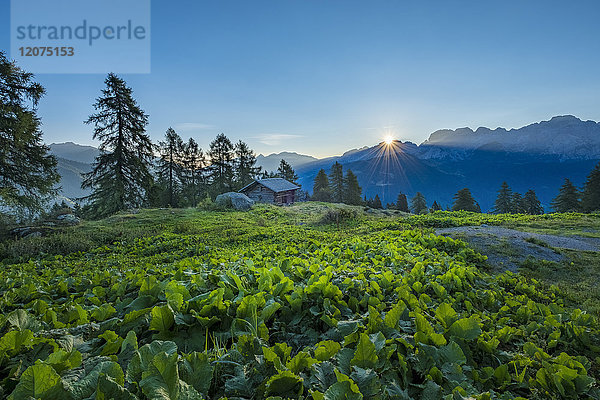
column 537, row 156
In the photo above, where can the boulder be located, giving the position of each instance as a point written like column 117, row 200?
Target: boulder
column 238, row 201
column 68, row 219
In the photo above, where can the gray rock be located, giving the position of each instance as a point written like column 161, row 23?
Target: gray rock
column 238, row 201
column 33, row 235
column 69, row 219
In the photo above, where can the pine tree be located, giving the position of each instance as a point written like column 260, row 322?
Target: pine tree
column 121, row 177
column 336, row 181
column 352, row 190
column 504, row 201
column 192, row 179
column 170, row 166
column 221, row 169
column 532, row 204
column 402, row 203
column 567, row 199
column 418, row 204
column 286, row 172
column 435, row 206
column 590, row 199
column 27, row 172
column 246, row 171
column 464, row 201
column 518, row 206
column 321, row 189
column 377, row 202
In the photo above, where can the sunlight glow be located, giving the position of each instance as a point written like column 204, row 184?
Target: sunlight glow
column 389, row 139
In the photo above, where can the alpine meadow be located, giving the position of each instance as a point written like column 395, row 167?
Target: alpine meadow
column 263, row 202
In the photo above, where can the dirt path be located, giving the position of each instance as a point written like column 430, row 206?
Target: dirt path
column 507, row 248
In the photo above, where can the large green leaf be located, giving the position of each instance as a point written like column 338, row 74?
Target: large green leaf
column 342, row 391
column 143, row 358
column 465, row 328
column 365, row 355
column 197, row 371
column 162, row 318
column 326, row 349
column 84, row 387
column 39, row 381
column 11, row 343
column 446, row 315
column 161, row 380
column 109, row 389
column 285, row 383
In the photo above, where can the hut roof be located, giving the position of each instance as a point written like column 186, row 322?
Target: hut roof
column 275, row 184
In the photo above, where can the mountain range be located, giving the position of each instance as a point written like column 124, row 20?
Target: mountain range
column 537, row 156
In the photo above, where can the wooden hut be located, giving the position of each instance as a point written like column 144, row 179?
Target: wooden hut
column 271, row 190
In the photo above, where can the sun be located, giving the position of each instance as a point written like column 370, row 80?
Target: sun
column 389, row 139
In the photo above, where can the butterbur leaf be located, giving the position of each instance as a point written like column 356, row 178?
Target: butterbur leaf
column 61, row 360
column 326, row 349
column 446, row 315
column 21, row 320
column 109, row 389
column 113, row 343
column 103, row 312
column 285, row 383
column 143, row 358
column 393, row 316
column 300, row 362
column 161, row 379
column 365, row 355
column 86, row 386
column 465, row 328
column 342, row 391
column 197, row 371
column 130, row 341
column 11, row 343
column 162, row 318
column 39, row 381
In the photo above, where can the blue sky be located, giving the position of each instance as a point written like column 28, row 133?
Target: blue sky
column 321, row 77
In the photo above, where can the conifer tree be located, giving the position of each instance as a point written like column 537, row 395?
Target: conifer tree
column 27, row 172
column 590, row 198
column 504, row 201
column 286, row 172
column 531, row 203
column 120, row 177
column 352, row 190
column 170, row 166
column 321, row 189
column 336, row 182
column 518, row 206
column 464, row 201
column 221, row 169
column 377, row 202
column 418, row 204
column 567, row 199
column 435, row 206
column 402, row 203
column 192, row 179
column 245, row 163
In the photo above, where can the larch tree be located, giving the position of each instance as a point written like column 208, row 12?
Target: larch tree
column 435, row 206
column 504, row 201
column 352, row 190
column 464, row 201
column 191, row 175
column 590, row 198
column 418, row 204
column 170, row 166
column 221, row 169
column 120, row 177
column 245, row 164
column 321, row 189
column 518, row 206
column 286, row 172
column 532, row 204
column 336, row 182
column 377, row 202
column 567, row 199
column 27, row 171
column 402, row 203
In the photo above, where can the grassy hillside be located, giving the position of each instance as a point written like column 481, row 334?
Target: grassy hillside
column 312, row 301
